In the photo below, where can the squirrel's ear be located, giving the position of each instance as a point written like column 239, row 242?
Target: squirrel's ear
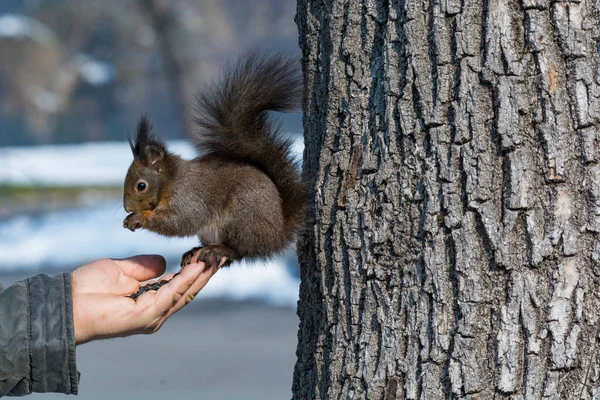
column 154, row 155
column 148, row 149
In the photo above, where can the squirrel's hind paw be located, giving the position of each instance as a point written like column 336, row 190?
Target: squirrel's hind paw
column 211, row 254
column 215, row 253
column 186, row 259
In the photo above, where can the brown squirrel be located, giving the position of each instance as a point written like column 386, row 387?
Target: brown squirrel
column 243, row 196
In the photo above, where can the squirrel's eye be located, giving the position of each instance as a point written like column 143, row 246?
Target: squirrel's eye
column 141, row 186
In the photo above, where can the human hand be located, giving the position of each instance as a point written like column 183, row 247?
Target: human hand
column 101, row 309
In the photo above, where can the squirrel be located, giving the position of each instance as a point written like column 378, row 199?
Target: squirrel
column 243, row 196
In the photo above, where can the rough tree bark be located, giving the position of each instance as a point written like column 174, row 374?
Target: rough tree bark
column 453, row 244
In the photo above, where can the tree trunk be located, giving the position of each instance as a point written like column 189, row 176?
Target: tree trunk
column 453, row 242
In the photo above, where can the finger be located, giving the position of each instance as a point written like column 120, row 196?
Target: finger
column 198, row 285
column 223, row 261
column 143, row 267
column 193, row 291
column 170, row 293
column 166, row 277
column 138, row 285
column 194, row 259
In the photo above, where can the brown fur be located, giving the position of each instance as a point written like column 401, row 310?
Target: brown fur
column 243, row 197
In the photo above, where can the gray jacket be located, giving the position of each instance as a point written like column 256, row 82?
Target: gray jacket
column 37, row 352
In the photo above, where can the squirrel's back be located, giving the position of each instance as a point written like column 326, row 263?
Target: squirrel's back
column 233, row 124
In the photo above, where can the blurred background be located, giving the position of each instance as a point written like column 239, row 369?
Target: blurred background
column 74, row 78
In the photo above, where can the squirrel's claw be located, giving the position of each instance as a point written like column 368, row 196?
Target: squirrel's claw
column 186, row 259
column 132, row 222
column 213, row 254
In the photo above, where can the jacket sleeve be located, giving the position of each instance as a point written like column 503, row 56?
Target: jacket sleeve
column 37, row 343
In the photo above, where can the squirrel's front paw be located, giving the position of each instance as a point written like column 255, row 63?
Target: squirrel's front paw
column 132, row 222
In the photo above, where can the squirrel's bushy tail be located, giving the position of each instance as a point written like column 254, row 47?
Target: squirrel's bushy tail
column 233, row 123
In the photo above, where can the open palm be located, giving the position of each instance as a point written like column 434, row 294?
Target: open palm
column 102, row 310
